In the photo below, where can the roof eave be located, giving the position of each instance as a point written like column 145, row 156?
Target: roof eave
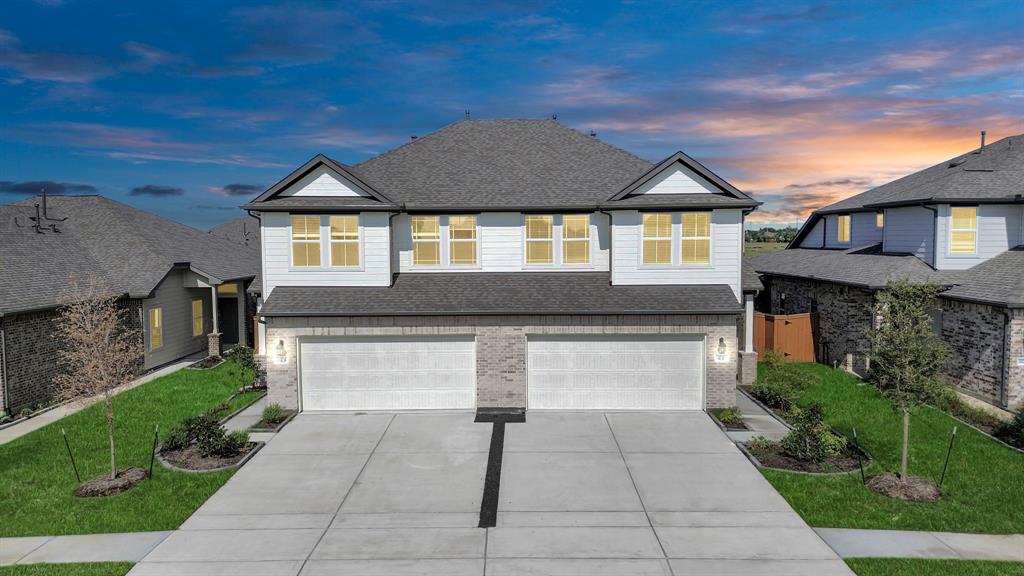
column 320, row 314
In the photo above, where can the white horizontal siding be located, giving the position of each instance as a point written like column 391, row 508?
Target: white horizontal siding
column 999, row 229
column 680, row 180
column 277, row 269
column 726, row 250
column 322, row 182
column 909, row 231
column 816, row 236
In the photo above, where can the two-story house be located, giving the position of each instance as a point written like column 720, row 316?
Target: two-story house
column 960, row 224
column 503, row 264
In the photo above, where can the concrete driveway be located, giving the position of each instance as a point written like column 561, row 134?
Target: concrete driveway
column 580, row 493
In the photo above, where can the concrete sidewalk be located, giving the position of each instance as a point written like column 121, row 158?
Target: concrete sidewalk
column 124, row 547
column 850, row 543
column 760, row 422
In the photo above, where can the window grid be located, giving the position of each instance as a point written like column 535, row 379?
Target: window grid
column 696, row 238
column 426, row 240
column 576, row 239
column 197, row 318
column 156, row 328
column 305, row 241
column 657, row 238
column 540, row 239
column 963, row 230
column 843, row 233
column 462, row 240
column 344, row 241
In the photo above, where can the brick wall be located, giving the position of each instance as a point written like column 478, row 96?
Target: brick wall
column 1015, row 361
column 974, row 333
column 501, row 346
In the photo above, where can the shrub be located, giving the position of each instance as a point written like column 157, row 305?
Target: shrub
column 273, row 414
column 774, row 392
column 208, row 434
column 949, row 401
column 811, row 440
column 223, row 445
column 772, row 359
column 1012, row 432
column 760, row 444
column 731, row 417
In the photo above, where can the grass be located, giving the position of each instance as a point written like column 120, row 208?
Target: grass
column 914, row 567
column 982, row 487
column 37, row 481
column 86, row 569
column 761, row 248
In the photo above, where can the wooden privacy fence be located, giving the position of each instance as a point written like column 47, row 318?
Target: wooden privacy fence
column 791, row 335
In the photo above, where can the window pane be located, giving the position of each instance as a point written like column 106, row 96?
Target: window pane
column 657, row 225
column 197, row 317
column 156, row 328
column 696, row 251
column 345, row 254
column 965, row 218
column 879, row 220
column 462, row 227
column 696, row 224
column 305, row 227
column 426, row 253
column 844, row 229
column 426, row 227
column 345, row 227
column 538, row 252
column 576, row 252
column 963, row 242
column 305, row 254
column 576, row 226
column 463, row 253
column 657, row 251
column 539, row 226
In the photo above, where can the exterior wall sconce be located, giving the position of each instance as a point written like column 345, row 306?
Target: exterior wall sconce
column 280, row 354
column 721, row 352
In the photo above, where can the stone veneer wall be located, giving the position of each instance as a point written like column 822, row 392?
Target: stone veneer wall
column 501, row 346
column 845, row 315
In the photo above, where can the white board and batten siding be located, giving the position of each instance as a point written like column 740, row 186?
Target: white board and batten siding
column 574, row 372
column 323, row 182
column 909, row 230
column 388, row 373
column 726, row 252
column 999, row 229
column 375, row 256
column 677, row 180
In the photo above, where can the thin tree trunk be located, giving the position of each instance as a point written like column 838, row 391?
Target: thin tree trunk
column 906, row 444
column 110, row 435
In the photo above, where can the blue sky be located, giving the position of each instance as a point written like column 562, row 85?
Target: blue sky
column 189, row 109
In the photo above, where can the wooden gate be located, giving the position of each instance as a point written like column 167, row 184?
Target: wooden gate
column 791, row 335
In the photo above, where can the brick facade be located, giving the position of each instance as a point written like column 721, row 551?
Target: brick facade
column 1015, row 360
column 501, row 346
column 974, row 333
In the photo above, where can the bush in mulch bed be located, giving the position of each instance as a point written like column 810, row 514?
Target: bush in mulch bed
column 106, row 486
column 772, row 455
column 273, row 415
column 730, row 417
column 811, row 446
column 202, row 443
column 913, row 489
column 1012, row 432
column 208, row 362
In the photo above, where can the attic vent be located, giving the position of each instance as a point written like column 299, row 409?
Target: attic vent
column 956, row 162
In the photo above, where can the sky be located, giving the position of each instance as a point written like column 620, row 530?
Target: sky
column 189, row 109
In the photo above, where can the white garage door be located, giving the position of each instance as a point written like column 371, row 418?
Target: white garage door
column 394, row 373
column 615, row 373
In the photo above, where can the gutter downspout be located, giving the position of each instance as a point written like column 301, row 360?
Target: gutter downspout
column 935, row 234
column 3, row 367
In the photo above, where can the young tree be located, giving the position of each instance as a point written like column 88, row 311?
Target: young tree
column 247, row 362
column 99, row 351
column 907, row 356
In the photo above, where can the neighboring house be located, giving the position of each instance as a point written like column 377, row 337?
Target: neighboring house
column 246, row 231
column 504, row 264
column 960, row 224
column 184, row 289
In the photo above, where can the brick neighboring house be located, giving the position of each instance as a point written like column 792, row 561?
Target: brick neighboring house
column 170, row 276
column 505, row 264
column 959, row 224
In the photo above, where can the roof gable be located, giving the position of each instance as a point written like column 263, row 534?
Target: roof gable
column 322, row 177
column 681, row 182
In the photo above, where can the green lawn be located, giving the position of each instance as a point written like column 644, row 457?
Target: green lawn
column 36, row 479
column 759, row 248
column 88, row 569
column 915, row 567
column 982, row 491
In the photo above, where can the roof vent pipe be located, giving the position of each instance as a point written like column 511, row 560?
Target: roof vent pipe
column 413, row 137
column 982, row 141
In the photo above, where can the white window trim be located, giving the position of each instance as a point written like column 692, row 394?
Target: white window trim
column 589, row 240
column 325, row 246
column 202, row 318
column 677, row 243
column 976, row 230
column 447, row 250
column 709, row 238
column 292, row 241
column 673, row 259
column 441, row 248
column 557, row 239
column 849, row 228
column 330, row 242
column 555, row 256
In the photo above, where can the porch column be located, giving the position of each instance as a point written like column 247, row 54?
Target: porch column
column 213, row 338
column 748, row 321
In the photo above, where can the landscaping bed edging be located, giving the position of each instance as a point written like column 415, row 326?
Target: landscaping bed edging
column 972, row 426
column 275, row 428
column 754, row 460
column 764, row 407
column 239, row 410
column 197, row 364
column 256, row 446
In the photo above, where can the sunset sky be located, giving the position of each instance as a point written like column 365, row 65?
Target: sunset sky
column 189, row 109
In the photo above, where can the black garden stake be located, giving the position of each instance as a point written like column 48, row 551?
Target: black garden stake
column 70, row 455
column 152, row 454
column 859, row 452
column 949, row 451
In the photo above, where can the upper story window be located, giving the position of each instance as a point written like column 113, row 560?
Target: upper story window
column 576, row 239
column 879, row 219
column 657, row 238
column 305, row 241
column 696, row 247
column 426, row 240
column 156, row 328
column 197, row 318
column 963, row 230
column 462, row 240
column 843, row 233
column 540, row 239
column 345, row 241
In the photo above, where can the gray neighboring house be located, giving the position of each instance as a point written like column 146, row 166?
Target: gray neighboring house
column 170, row 276
column 959, row 224
column 505, row 264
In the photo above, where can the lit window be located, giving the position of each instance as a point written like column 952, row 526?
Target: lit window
column 231, row 288
column 576, row 239
column 879, row 219
column 462, row 240
column 539, row 239
column 696, row 242
column 426, row 240
column 197, row 318
column 345, row 241
column 963, row 233
column 305, row 241
column 156, row 328
column 843, row 233
column 657, row 241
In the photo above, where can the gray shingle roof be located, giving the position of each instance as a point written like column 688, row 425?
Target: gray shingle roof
column 999, row 280
column 679, row 201
column 995, row 173
column 751, row 280
column 314, row 203
column 131, row 249
column 476, row 293
column 244, row 231
column 864, row 266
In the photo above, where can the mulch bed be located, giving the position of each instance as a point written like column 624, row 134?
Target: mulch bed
column 191, row 459
column 106, row 486
column 264, row 426
column 208, row 362
column 775, row 458
column 914, row 489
